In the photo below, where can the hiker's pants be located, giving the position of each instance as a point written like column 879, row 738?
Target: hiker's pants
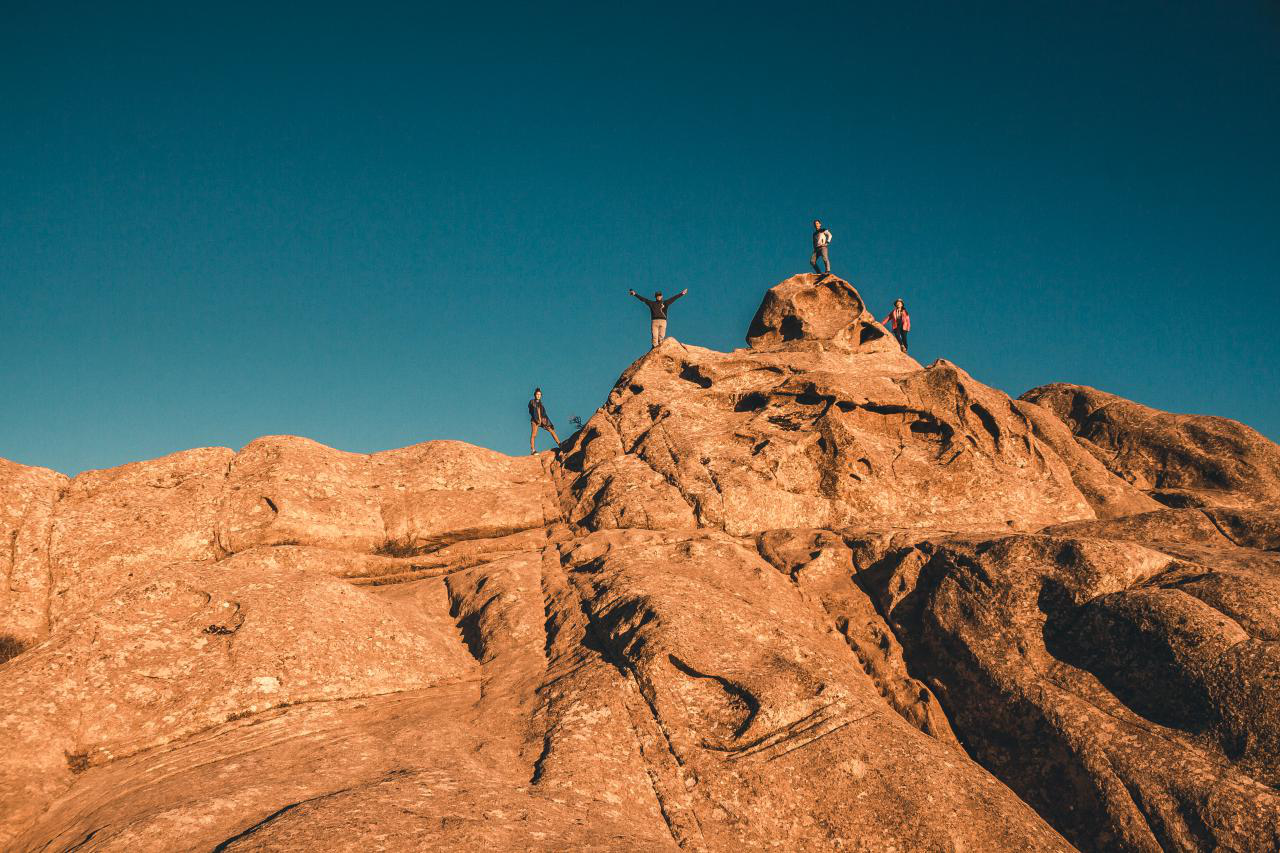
column 901, row 335
column 820, row 252
column 659, row 329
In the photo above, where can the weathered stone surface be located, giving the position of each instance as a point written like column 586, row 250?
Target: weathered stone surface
column 813, row 311
column 1107, row 494
column 27, row 496
column 808, row 595
column 1130, row 696
column 752, row 718
column 445, row 491
column 1181, row 460
column 287, row 490
column 168, row 658
column 749, row 441
column 111, row 526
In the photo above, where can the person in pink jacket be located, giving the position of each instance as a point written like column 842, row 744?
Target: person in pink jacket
column 901, row 323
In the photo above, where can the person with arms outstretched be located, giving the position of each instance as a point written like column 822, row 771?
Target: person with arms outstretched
column 901, row 322
column 538, row 419
column 658, row 313
column 821, row 240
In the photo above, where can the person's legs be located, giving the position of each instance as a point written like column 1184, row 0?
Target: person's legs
column 658, row 331
column 552, row 430
column 901, row 335
column 533, row 435
column 826, row 261
column 813, row 260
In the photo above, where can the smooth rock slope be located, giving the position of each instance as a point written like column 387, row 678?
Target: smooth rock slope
column 806, row 595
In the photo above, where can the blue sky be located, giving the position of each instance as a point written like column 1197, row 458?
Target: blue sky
column 379, row 224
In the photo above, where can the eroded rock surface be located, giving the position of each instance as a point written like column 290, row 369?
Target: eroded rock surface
column 806, row 595
column 1180, row 460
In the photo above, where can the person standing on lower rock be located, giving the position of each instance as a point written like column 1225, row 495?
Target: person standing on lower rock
column 658, row 312
column 538, row 419
column 901, row 323
column 821, row 239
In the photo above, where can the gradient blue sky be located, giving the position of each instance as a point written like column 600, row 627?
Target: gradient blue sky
column 378, row 224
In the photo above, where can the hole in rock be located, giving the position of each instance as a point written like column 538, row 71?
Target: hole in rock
column 792, row 329
column 926, row 427
column 691, row 373
column 753, row 402
column 812, row 398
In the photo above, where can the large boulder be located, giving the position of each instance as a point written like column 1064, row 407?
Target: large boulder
column 816, row 311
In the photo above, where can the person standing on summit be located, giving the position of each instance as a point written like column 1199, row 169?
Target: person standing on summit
column 658, row 312
column 821, row 239
column 538, row 419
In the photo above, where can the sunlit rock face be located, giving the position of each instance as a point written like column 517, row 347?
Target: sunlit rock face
column 806, row 595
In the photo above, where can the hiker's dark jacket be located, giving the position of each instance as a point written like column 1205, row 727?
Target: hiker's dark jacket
column 538, row 414
column 658, row 307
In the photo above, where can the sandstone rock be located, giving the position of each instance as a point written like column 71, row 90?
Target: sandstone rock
column 816, row 311
column 756, row 700
column 1107, row 683
column 1107, row 494
column 751, row 441
column 111, row 526
column 288, row 490
column 27, row 496
column 168, row 658
column 1181, row 460
column 1216, row 527
column 808, row 595
column 446, row 491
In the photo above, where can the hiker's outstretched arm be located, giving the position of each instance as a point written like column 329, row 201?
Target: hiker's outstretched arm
column 641, row 298
column 677, row 296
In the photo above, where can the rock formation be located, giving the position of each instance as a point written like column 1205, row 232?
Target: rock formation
column 806, row 595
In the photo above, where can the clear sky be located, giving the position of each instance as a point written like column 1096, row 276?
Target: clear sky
column 377, row 224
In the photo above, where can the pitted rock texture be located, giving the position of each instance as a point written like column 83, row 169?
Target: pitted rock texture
column 819, row 312
column 808, row 595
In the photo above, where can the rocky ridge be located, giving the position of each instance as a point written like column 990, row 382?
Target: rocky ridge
column 806, row 595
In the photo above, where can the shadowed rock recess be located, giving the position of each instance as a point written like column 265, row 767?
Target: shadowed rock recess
column 807, row 595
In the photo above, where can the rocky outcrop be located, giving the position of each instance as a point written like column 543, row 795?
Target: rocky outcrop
column 1180, row 460
column 806, row 595
column 1137, row 680
column 791, row 436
